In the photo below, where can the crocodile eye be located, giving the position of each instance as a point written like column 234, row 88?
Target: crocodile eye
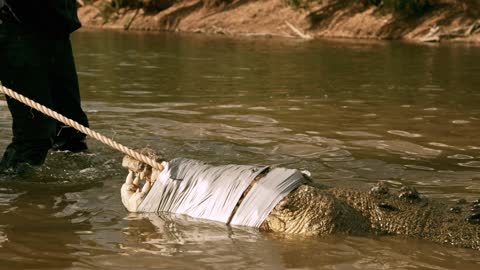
column 386, row 207
column 475, row 208
column 474, row 219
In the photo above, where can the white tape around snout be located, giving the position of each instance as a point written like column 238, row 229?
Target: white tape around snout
column 200, row 190
column 265, row 195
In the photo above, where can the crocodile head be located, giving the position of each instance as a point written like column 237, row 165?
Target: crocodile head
column 131, row 192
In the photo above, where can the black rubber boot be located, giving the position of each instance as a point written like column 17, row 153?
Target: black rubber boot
column 19, row 155
column 68, row 139
column 74, row 146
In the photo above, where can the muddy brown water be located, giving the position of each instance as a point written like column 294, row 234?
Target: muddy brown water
column 350, row 112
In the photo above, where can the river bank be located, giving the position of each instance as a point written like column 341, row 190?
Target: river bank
column 319, row 19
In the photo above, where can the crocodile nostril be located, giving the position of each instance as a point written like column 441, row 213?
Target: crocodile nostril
column 409, row 193
column 455, row 209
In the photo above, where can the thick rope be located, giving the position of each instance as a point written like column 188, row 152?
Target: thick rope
column 80, row 128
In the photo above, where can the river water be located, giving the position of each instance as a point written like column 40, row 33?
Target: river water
column 350, row 112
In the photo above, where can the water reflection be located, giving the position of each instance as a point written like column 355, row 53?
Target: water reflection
column 178, row 242
column 396, row 146
column 37, row 230
column 206, row 244
column 351, row 113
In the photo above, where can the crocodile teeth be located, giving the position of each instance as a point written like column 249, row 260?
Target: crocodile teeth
column 136, row 182
column 146, row 187
column 129, row 180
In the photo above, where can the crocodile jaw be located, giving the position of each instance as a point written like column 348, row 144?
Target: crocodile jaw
column 131, row 193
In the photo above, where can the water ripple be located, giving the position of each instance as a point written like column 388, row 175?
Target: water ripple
column 246, row 118
column 404, row 133
column 471, row 164
column 357, row 134
column 418, row 167
column 396, row 146
column 3, row 236
column 443, row 145
column 460, row 156
column 301, row 150
column 460, row 122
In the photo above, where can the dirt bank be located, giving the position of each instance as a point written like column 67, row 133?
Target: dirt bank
column 321, row 19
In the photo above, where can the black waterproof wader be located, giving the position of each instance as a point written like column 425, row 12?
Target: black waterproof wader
column 36, row 61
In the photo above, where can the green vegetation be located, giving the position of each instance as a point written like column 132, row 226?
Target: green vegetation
column 400, row 7
column 106, row 10
column 107, row 6
column 406, row 7
column 123, row 3
column 299, row 3
column 294, row 3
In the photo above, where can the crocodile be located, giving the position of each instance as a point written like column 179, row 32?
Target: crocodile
column 313, row 209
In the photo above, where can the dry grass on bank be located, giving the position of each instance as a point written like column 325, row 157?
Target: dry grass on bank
column 366, row 19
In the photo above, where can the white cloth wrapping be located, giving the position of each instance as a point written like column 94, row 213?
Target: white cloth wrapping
column 200, row 190
column 265, row 195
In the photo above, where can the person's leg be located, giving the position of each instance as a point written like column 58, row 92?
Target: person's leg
column 66, row 97
column 22, row 69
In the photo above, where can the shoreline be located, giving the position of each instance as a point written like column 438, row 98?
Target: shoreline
column 250, row 18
